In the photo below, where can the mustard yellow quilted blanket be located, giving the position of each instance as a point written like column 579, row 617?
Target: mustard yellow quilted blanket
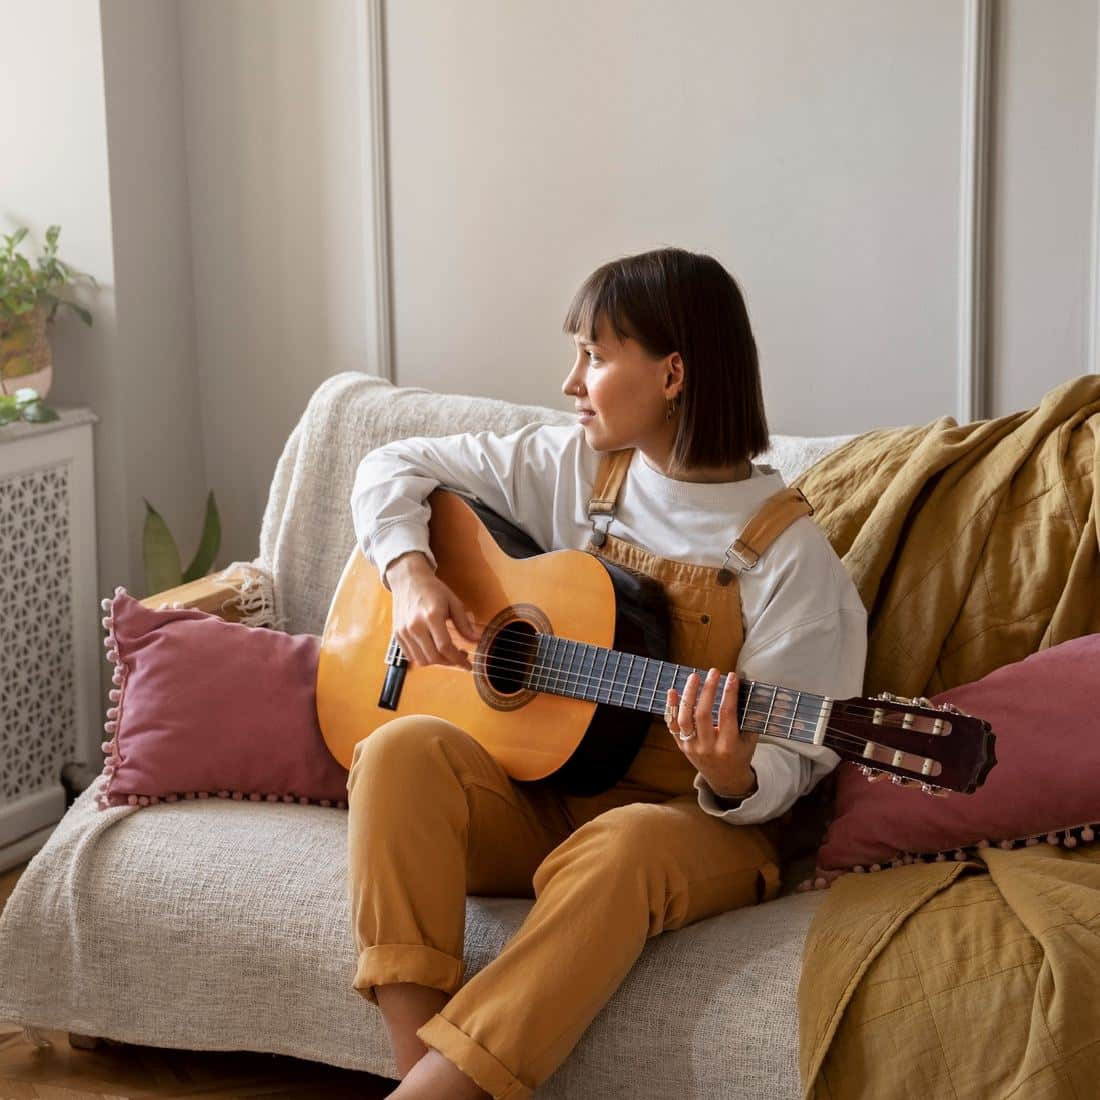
column 972, row 546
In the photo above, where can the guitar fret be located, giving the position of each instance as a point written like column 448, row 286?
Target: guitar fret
column 794, row 716
column 553, row 673
column 626, row 680
column 591, row 685
column 771, row 706
column 547, row 657
column 665, row 667
column 581, row 684
column 656, row 685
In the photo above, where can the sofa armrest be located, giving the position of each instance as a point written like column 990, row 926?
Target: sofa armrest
column 218, row 594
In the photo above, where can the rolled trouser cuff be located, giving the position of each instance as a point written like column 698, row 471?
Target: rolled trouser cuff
column 386, row 963
column 473, row 1059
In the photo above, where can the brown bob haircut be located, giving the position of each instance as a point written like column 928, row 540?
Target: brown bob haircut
column 670, row 300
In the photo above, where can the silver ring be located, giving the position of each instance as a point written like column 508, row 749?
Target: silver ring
column 681, row 737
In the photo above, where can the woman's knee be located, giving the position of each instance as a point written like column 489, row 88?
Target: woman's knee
column 410, row 748
column 622, row 843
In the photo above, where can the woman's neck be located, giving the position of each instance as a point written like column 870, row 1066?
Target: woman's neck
column 741, row 471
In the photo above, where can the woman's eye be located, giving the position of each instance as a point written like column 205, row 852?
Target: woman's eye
column 593, row 357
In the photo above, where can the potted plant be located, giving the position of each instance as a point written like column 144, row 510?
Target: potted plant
column 29, row 300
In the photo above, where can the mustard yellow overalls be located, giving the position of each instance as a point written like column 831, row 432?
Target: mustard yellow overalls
column 433, row 817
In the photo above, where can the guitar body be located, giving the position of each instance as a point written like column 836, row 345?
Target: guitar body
column 518, row 592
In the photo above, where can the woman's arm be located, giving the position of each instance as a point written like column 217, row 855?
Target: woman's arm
column 512, row 474
column 825, row 656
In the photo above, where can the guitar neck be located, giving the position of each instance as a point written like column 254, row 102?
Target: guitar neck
column 562, row 666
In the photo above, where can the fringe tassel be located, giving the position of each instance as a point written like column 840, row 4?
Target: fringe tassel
column 35, row 1036
column 257, row 594
column 1067, row 838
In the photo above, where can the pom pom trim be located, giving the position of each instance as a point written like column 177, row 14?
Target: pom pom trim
column 106, row 798
column 1068, row 837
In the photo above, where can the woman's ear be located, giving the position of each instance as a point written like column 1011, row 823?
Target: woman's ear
column 674, row 375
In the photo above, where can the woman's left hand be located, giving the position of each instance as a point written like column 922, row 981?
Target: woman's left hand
column 721, row 753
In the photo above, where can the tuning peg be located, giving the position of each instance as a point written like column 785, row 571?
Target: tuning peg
column 955, row 710
column 897, row 780
column 935, row 792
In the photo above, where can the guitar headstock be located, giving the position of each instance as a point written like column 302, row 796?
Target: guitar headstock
column 939, row 748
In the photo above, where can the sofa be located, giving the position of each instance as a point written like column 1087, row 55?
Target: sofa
column 224, row 925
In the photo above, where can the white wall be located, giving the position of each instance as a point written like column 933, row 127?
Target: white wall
column 812, row 148
column 159, row 418
column 815, row 149
column 1044, row 188
column 274, row 137
column 54, row 170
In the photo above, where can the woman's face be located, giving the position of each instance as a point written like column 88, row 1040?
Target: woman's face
column 624, row 389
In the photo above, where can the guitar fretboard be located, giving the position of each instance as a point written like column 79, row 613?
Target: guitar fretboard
column 562, row 666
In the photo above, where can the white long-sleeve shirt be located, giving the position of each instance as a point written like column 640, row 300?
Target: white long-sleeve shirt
column 805, row 624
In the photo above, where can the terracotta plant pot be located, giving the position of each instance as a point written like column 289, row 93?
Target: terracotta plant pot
column 25, row 358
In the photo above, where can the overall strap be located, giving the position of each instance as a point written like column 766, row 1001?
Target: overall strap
column 605, row 492
column 774, row 516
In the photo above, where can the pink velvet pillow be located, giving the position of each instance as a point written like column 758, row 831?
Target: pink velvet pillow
column 1045, row 713
column 204, row 707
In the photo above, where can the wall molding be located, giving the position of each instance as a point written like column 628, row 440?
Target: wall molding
column 973, row 396
column 377, row 145
column 1092, row 364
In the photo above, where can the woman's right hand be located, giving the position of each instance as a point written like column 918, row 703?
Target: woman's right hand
column 422, row 604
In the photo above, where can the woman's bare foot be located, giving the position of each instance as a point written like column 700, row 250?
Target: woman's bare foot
column 437, row 1078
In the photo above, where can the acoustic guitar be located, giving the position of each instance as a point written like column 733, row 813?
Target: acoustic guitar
column 570, row 670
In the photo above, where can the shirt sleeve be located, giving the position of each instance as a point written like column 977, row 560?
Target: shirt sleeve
column 824, row 655
column 512, row 474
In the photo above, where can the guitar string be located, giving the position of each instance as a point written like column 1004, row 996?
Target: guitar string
column 840, row 737
column 805, row 725
column 854, row 709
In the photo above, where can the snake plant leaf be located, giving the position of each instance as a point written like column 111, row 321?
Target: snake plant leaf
column 162, row 559
column 208, row 544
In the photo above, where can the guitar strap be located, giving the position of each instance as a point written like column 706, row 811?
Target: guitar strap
column 773, row 517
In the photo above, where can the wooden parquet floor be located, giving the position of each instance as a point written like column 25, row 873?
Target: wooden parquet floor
column 128, row 1071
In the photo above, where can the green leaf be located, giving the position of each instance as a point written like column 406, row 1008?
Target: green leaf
column 81, row 312
column 8, row 413
column 159, row 553
column 38, row 413
column 208, row 544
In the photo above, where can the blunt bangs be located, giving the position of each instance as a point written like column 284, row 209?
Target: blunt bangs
column 670, row 300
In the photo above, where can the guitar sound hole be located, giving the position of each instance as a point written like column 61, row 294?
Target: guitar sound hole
column 511, row 656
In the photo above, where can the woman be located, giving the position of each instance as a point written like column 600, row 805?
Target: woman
column 657, row 477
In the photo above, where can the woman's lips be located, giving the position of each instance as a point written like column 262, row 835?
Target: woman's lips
column 585, row 415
